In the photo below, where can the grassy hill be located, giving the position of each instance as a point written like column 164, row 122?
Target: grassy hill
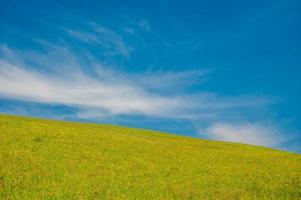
column 48, row 159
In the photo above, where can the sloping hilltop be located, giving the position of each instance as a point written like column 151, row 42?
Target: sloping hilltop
column 48, row 159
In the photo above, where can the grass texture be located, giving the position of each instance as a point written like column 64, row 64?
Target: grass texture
column 48, row 159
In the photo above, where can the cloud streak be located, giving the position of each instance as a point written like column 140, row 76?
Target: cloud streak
column 248, row 133
column 111, row 42
column 106, row 91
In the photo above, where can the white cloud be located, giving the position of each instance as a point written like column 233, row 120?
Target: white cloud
column 109, row 92
column 59, row 76
column 101, row 36
column 81, row 90
column 248, row 133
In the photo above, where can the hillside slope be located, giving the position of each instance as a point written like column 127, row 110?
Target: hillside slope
column 48, row 159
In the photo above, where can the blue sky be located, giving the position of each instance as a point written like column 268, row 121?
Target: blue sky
column 222, row 70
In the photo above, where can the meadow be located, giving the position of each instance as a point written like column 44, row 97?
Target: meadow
column 49, row 159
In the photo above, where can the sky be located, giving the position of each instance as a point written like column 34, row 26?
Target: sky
column 219, row 70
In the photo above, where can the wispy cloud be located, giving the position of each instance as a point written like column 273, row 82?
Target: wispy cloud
column 64, row 80
column 248, row 133
column 98, row 35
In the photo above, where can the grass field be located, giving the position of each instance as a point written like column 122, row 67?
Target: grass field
column 47, row 159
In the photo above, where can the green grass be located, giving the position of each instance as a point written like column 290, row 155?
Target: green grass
column 48, row 159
